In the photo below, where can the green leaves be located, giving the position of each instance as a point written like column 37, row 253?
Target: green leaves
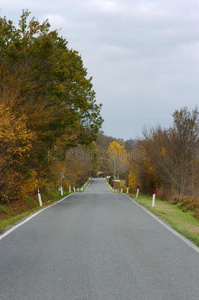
column 46, row 82
column 52, row 77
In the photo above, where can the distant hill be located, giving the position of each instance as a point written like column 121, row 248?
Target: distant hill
column 132, row 141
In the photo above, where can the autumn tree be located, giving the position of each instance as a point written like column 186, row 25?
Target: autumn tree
column 42, row 78
column 45, row 87
column 185, row 141
column 117, row 157
column 77, row 163
column 16, row 143
column 102, row 144
column 141, row 169
column 53, row 89
column 172, row 155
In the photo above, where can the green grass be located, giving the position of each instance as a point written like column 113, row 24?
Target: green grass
column 54, row 195
column 183, row 222
column 13, row 220
column 50, row 197
column 6, row 211
column 30, row 202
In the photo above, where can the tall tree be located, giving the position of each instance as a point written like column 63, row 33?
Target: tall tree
column 16, row 143
column 117, row 157
column 173, row 153
column 51, row 84
column 45, row 87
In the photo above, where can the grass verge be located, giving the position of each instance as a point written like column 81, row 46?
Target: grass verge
column 183, row 222
column 13, row 218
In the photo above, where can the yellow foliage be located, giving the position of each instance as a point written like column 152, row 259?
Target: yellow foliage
column 132, row 180
column 117, row 157
column 15, row 138
column 16, row 143
column 116, row 149
column 30, row 185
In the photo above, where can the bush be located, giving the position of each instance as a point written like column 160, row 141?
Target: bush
column 188, row 204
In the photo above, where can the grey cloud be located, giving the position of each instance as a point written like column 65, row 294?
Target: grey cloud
column 143, row 54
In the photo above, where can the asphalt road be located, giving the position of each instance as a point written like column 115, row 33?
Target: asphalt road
column 96, row 245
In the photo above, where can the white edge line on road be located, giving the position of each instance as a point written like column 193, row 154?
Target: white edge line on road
column 87, row 186
column 32, row 216
column 188, row 242
column 29, row 218
column 193, row 246
column 106, row 184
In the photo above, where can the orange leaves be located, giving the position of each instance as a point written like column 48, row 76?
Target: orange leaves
column 16, row 143
column 46, row 100
column 31, row 184
column 15, row 138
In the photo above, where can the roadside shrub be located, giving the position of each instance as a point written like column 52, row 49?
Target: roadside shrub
column 188, row 204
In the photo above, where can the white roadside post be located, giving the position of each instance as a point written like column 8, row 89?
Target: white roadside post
column 39, row 197
column 121, row 190
column 74, row 189
column 127, row 190
column 61, row 175
column 138, row 188
column 61, row 190
column 69, row 189
column 153, row 199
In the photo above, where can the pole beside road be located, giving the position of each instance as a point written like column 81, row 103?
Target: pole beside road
column 153, row 199
column 138, row 188
column 39, row 197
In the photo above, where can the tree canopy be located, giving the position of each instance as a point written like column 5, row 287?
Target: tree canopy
column 44, row 79
column 46, row 95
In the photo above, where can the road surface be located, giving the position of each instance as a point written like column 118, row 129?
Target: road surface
column 96, row 245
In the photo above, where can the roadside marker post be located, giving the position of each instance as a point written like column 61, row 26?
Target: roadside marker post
column 127, row 190
column 61, row 189
column 39, row 197
column 62, row 176
column 69, row 189
column 138, row 188
column 153, row 199
column 121, row 190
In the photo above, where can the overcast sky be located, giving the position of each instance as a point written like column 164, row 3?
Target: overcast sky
column 143, row 55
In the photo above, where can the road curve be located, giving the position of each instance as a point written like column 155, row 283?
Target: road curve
column 96, row 245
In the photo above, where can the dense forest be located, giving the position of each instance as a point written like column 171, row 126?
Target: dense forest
column 47, row 106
